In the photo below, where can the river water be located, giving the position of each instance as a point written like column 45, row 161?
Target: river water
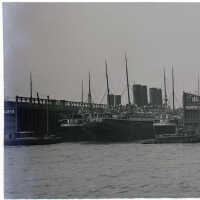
column 121, row 170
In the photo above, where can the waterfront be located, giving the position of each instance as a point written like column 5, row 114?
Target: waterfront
column 78, row 170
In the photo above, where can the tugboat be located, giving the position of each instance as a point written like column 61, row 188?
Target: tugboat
column 177, row 138
column 164, row 126
column 167, row 131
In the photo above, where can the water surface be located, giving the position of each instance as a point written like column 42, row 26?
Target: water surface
column 122, row 170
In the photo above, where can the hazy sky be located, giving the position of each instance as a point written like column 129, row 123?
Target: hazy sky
column 61, row 42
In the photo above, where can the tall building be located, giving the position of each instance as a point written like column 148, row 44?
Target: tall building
column 155, row 95
column 111, row 99
column 136, row 94
column 144, row 95
column 140, row 94
column 117, row 100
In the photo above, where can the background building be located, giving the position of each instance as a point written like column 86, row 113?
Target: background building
column 140, row 94
column 136, row 94
column 117, row 100
column 155, row 95
column 110, row 100
column 144, row 98
column 113, row 100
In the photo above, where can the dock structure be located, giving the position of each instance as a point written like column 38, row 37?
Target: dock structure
column 40, row 116
column 191, row 110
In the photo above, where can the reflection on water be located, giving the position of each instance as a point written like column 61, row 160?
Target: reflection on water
column 126, row 170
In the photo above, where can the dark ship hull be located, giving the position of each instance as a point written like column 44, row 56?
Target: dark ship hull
column 162, row 129
column 30, row 138
column 72, row 133
column 119, row 130
column 32, row 141
column 177, row 139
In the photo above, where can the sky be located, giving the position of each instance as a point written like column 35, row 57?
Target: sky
column 60, row 43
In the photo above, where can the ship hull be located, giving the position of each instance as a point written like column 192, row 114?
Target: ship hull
column 165, row 129
column 33, row 141
column 119, row 130
column 178, row 139
column 72, row 133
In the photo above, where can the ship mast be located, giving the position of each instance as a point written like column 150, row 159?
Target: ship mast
column 89, row 92
column 38, row 98
column 165, row 100
column 108, row 89
column 173, row 87
column 127, row 81
column 31, row 86
column 198, row 84
column 82, row 93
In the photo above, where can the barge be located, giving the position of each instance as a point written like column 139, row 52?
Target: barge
column 29, row 138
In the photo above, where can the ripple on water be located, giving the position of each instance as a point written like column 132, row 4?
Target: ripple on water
column 102, row 171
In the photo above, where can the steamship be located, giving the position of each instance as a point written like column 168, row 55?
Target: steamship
column 118, row 127
column 110, row 128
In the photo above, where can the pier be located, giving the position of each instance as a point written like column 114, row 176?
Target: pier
column 40, row 116
column 191, row 110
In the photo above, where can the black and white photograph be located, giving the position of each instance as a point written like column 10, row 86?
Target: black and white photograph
column 101, row 100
